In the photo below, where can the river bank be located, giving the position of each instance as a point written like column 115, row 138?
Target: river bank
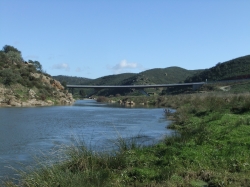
column 211, row 148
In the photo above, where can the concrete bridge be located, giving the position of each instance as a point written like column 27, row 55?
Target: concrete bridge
column 97, row 88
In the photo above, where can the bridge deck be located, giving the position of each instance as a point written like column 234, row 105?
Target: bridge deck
column 135, row 86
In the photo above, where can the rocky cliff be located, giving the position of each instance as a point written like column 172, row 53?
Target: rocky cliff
column 19, row 95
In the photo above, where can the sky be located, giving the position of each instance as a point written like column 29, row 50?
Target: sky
column 95, row 38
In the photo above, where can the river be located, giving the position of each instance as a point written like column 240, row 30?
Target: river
column 29, row 132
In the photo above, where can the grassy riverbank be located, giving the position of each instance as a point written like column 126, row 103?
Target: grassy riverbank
column 212, row 147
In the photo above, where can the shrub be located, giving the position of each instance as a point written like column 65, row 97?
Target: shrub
column 24, row 72
column 37, row 83
column 101, row 99
column 14, row 57
column 31, row 69
column 43, row 97
column 9, row 77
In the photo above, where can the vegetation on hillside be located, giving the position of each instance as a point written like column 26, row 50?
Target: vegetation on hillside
column 168, row 75
column 152, row 76
column 13, row 69
column 238, row 68
column 20, row 77
column 210, row 148
column 71, row 80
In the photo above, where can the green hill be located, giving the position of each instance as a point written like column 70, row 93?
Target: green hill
column 111, row 79
column 160, row 76
column 71, row 80
column 237, row 68
column 153, row 76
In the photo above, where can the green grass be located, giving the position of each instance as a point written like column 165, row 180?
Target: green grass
column 240, row 87
column 211, row 147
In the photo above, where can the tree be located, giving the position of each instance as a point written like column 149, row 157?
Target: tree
column 9, row 77
column 37, row 65
column 8, row 48
column 13, row 56
column 3, row 57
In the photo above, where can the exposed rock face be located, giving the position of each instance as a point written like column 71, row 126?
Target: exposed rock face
column 32, row 94
column 47, row 80
column 18, row 95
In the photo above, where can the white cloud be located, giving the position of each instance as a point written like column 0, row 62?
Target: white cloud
column 61, row 66
column 125, row 66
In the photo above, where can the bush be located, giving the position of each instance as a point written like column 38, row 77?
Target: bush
column 101, row 99
column 31, row 69
column 1, row 64
column 9, row 77
column 36, row 83
column 24, row 72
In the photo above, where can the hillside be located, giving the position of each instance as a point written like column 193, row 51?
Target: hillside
column 106, row 80
column 71, row 80
column 238, row 68
column 160, row 76
column 25, row 84
column 153, row 76
column 111, row 79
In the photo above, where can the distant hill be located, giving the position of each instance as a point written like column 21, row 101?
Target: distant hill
column 153, row 76
column 237, row 68
column 111, row 79
column 71, row 80
column 105, row 80
column 160, row 76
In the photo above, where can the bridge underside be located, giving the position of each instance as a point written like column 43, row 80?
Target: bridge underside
column 96, row 90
